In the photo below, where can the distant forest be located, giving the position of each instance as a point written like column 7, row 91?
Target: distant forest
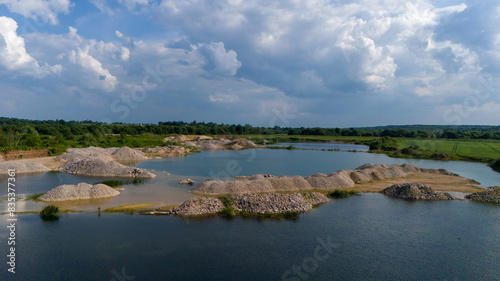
column 21, row 133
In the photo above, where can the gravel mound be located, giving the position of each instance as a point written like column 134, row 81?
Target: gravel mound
column 287, row 183
column 129, row 154
column 88, row 152
column 233, row 187
column 197, row 207
column 210, row 145
column 275, row 203
column 22, row 167
column 79, row 192
column 415, row 191
column 103, row 168
column 340, row 179
column 179, row 138
column 164, row 151
column 247, row 143
column 492, row 195
column 271, row 203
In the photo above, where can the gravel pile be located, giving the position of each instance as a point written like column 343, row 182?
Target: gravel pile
column 492, row 195
column 103, row 168
column 89, row 152
column 129, row 154
column 415, row 191
column 339, row 179
column 275, row 203
column 22, row 167
column 207, row 143
column 79, row 192
column 271, row 203
column 164, row 151
column 288, row 183
column 197, row 207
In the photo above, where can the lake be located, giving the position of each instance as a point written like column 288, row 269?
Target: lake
column 365, row 237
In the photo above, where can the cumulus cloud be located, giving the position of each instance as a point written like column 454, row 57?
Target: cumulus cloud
column 131, row 4
column 250, row 59
column 277, row 42
column 221, row 62
column 13, row 55
column 42, row 10
column 98, row 77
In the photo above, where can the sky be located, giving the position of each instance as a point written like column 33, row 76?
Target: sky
column 265, row 63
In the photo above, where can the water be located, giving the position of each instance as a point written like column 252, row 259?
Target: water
column 324, row 146
column 373, row 238
column 228, row 163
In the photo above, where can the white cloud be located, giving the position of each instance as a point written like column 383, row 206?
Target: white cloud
column 224, row 62
column 131, row 4
column 125, row 54
column 225, row 98
column 102, row 6
column 42, row 10
column 451, row 9
column 281, row 40
column 99, row 77
column 13, row 55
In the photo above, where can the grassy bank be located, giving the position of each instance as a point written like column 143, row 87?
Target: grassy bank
column 437, row 149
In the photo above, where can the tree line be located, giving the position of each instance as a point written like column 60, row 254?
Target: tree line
column 24, row 134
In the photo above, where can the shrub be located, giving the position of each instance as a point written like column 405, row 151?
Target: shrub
column 337, row 193
column 112, row 183
column 496, row 165
column 229, row 211
column 50, row 213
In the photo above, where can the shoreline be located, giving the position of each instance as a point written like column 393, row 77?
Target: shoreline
column 439, row 182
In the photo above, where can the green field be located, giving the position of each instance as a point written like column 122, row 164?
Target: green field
column 472, row 148
column 477, row 150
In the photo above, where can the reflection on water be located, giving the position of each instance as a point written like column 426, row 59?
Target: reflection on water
column 324, row 146
column 373, row 237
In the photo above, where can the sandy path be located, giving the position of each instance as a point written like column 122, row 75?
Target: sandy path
column 49, row 162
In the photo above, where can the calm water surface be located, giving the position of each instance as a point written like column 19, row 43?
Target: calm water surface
column 230, row 163
column 372, row 237
column 322, row 145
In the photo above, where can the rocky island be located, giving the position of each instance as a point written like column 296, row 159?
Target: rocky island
column 492, row 195
column 340, row 179
column 247, row 204
column 415, row 191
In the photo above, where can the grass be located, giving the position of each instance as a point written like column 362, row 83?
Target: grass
column 472, row 150
column 229, row 210
column 483, row 149
column 129, row 208
column 117, row 183
column 34, row 197
column 338, row 193
column 49, row 213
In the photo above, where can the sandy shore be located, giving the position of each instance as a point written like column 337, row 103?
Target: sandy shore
column 435, row 181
